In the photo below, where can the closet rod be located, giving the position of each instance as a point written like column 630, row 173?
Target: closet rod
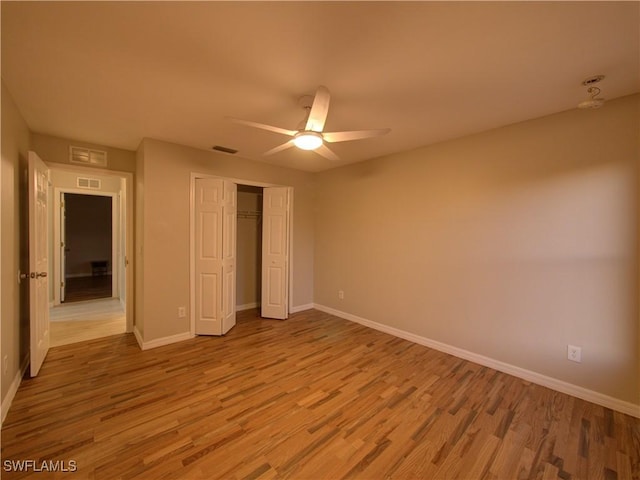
column 248, row 213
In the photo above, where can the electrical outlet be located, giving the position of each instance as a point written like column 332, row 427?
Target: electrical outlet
column 182, row 312
column 341, row 294
column 574, row 353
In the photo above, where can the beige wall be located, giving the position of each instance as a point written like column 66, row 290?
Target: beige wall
column 68, row 179
column 14, row 323
column 55, row 149
column 510, row 244
column 165, row 227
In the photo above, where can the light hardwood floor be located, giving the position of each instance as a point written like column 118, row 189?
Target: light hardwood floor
column 312, row 397
column 80, row 321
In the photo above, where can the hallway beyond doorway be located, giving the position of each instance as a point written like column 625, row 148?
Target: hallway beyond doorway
column 79, row 321
column 78, row 289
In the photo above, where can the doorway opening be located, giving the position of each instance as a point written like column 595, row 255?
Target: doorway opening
column 87, row 253
column 249, row 248
column 91, row 235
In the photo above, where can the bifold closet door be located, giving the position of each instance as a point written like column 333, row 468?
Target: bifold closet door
column 215, row 237
column 229, row 233
column 275, row 253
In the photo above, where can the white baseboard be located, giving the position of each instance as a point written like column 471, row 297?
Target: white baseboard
column 528, row 375
column 160, row 342
column 13, row 389
column 136, row 333
column 302, row 308
column 296, row 309
column 247, row 306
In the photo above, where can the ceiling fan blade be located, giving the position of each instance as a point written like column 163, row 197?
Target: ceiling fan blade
column 263, row 126
column 319, row 110
column 279, row 148
column 332, row 137
column 326, row 153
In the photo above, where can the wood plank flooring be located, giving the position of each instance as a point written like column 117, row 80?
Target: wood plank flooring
column 80, row 321
column 312, row 397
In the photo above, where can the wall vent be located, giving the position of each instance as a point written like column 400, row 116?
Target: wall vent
column 91, row 183
column 89, row 157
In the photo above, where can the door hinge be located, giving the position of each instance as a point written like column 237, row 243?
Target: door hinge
column 61, row 244
column 61, row 284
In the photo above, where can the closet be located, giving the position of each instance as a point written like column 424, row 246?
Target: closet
column 249, row 247
column 239, row 252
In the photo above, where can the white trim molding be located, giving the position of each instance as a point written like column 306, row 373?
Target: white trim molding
column 528, row 375
column 247, row 306
column 160, row 342
column 302, row 308
column 138, row 335
column 13, row 389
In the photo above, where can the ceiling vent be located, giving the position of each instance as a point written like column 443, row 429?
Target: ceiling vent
column 88, row 157
column 220, row 148
column 90, row 183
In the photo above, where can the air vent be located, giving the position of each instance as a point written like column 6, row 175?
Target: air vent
column 591, row 80
column 90, row 183
column 230, row 151
column 86, row 156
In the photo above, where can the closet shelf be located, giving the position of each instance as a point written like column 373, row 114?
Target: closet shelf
column 248, row 214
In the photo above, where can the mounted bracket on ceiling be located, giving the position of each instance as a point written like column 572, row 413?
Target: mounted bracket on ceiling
column 593, row 101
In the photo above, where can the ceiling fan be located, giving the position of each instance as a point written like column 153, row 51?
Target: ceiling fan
column 310, row 134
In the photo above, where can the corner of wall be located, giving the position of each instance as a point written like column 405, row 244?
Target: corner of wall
column 139, row 243
column 7, row 400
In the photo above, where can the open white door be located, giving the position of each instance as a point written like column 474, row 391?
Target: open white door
column 229, row 227
column 38, row 262
column 215, row 234
column 275, row 252
column 63, row 247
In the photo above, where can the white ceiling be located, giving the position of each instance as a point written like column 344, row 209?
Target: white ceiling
column 114, row 73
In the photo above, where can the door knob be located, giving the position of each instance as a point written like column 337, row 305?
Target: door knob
column 24, row 276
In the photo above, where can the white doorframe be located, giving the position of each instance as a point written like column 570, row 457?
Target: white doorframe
column 192, row 236
column 126, row 190
column 115, row 239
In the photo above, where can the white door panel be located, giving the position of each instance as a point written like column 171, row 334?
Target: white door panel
column 215, row 245
column 208, row 264
column 38, row 262
column 275, row 251
column 229, row 256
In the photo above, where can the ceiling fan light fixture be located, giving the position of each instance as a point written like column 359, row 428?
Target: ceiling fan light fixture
column 307, row 140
